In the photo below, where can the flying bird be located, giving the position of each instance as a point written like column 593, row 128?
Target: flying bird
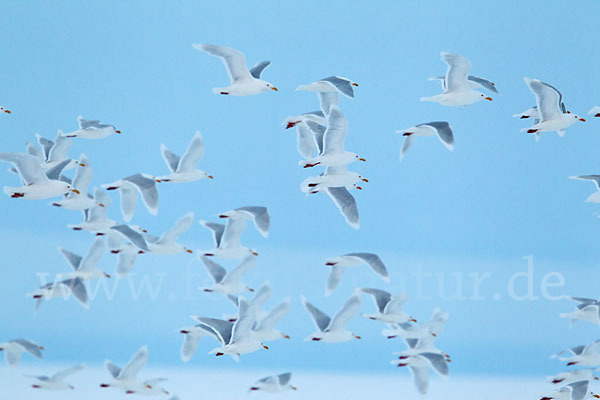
column 338, row 264
column 441, row 129
column 92, row 129
column 333, row 330
column 183, row 169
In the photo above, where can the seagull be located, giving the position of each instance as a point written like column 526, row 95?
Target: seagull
column 133, row 236
column 85, row 268
column 192, row 335
column 258, row 301
column 14, row 348
column 564, row 378
column 433, row 327
column 457, row 90
column 236, row 339
column 274, row 384
column 128, row 253
column 129, row 187
column 62, row 289
column 36, row 185
column 243, row 82
column 228, row 283
column 573, row 391
column 419, row 365
column 83, row 178
column 5, row 110
column 440, row 128
column 183, row 169
column 595, row 111
column 582, row 355
column 56, row 381
column 594, row 197
column 587, row 310
column 333, row 154
column 389, row 307
column 95, row 218
column 333, row 330
column 551, row 109
column 92, row 129
column 167, row 242
column 331, row 84
column 227, row 237
column 338, row 264
column 126, row 378
column 265, row 328
column 475, row 82
column 333, row 177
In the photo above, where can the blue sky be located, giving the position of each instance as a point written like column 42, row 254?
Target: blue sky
column 498, row 197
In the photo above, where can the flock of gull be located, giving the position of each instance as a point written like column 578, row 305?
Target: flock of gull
column 44, row 173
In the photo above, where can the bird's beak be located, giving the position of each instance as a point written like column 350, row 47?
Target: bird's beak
column 596, row 378
column 362, row 159
column 364, row 180
column 210, row 177
column 119, row 132
column 158, row 180
column 357, row 337
column 144, row 230
column 582, row 119
column 81, row 164
column 354, row 84
column 255, row 253
column 274, row 88
column 288, row 336
column 413, row 320
column 250, row 289
column 107, row 275
column 7, row 111
column 489, row 98
column 188, row 251
column 42, row 348
column 265, row 347
column 359, row 188
column 293, row 388
column 101, row 205
column 75, row 191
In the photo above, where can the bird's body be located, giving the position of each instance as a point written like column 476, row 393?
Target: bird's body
column 92, row 129
column 14, row 348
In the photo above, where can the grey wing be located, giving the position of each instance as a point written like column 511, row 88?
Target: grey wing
column 420, row 377
column 233, row 232
column 234, row 60
column 326, row 100
column 346, row 204
column 98, row 212
column 133, row 236
column 84, row 174
column 78, row 289
column 112, row 369
column 484, row 83
column 319, row 133
column 30, row 347
column 27, row 166
column 320, row 319
column 221, row 329
column 259, row 68
column 381, row 297
column 135, row 365
column 60, row 375
column 87, row 123
column 246, row 319
column 61, row 147
column 457, row 72
column 73, row 259
column 348, row 311
column 593, row 178
column 55, row 172
column 93, row 255
column 262, row 220
column 193, row 154
column 190, row 344
column 548, row 99
column 284, row 379
column 260, row 298
column 147, row 189
column 442, row 80
column 216, row 271
column 217, row 230
column 373, row 261
column 236, row 274
column 35, row 151
column 577, row 350
column 305, row 141
column 275, row 315
column 335, row 275
column 125, row 261
column 437, row 361
column 444, row 132
column 408, row 141
column 411, row 343
column 171, row 159
column 179, row 228
column 337, row 127
column 579, row 390
column 343, row 85
column 46, row 145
